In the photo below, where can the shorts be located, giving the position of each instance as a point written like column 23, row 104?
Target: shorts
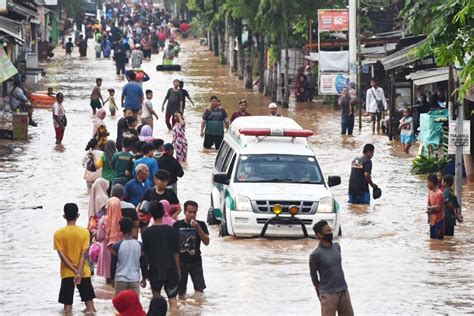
column 170, row 286
column 66, row 293
column 210, row 140
column 120, row 286
column 196, row 273
column 437, row 230
column 361, row 198
column 95, row 104
column 146, row 53
column 374, row 116
column 407, row 138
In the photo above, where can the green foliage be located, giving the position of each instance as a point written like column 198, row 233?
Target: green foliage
column 424, row 165
column 72, row 7
column 449, row 26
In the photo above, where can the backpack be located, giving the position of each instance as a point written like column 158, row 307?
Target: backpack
column 90, row 163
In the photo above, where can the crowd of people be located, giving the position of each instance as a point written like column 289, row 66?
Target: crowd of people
column 139, row 232
column 130, row 36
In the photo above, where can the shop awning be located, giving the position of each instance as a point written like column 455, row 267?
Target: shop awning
column 11, row 28
column 24, row 11
column 7, row 69
column 403, row 57
column 429, row 76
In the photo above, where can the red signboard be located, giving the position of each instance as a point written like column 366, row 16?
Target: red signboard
column 333, row 20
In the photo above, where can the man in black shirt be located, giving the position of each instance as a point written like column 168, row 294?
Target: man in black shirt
column 438, row 99
column 122, row 127
column 161, row 250
column 191, row 232
column 160, row 192
column 361, row 177
column 185, row 95
column 169, row 163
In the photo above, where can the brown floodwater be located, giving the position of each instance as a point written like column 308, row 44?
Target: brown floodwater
column 390, row 264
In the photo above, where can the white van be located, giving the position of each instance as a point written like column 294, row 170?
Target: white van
column 265, row 169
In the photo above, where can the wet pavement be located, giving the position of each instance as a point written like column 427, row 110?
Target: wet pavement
column 390, row 264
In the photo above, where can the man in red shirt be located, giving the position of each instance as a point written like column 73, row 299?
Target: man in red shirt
column 242, row 110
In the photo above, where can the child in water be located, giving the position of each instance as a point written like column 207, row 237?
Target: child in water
column 435, row 208
column 112, row 105
column 407, row 135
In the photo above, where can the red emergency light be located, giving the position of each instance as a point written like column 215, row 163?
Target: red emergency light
column 282, row 132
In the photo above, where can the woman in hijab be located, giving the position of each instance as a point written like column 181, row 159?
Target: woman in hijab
column 107, row 234
column 99, row 130
column 97, row 201
column 105, row 162
column 128, row 304
column 146, row 134
column 167, row 218
column 94, row 154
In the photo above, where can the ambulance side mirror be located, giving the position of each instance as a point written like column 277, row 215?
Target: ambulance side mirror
column 334, row 180
column 221, row 178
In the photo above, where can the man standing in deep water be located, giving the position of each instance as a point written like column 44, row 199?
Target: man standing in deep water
column 331, row 285
column 361, row 177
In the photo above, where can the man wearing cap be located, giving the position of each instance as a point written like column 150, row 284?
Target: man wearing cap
column 169, row 163
column 137, row 57
column 273, row 108
column 242, row 111
column 212, row 127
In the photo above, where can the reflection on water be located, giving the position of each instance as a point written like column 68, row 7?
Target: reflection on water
column 390, row 264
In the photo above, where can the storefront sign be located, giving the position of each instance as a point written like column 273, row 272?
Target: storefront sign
column 332, row 84
column 459, row 139
column 333, row 20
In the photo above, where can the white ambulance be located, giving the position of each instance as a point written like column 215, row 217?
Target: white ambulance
column 267, row 181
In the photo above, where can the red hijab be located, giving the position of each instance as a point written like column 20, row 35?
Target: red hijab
column 127, row 304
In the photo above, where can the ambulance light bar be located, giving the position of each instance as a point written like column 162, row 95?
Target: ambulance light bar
column 282, row 132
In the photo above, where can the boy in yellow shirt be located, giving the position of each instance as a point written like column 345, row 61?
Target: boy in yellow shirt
column 72, row 243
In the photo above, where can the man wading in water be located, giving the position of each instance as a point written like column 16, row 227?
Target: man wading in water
column 331, row 285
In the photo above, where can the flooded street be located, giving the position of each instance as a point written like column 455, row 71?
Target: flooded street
column 390, row 264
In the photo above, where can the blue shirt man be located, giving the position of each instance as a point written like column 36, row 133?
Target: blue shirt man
column 132, row 94
column 135, row 188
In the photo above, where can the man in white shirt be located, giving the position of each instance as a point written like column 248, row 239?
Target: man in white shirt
column 373, row 96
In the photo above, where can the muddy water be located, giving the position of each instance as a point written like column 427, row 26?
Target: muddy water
column 390, row 264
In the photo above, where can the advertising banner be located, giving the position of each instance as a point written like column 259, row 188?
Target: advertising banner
column 334, row 61
column 463, row 139
column 332, row 83
column 333, row 20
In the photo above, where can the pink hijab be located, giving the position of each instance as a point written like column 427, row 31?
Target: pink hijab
column 113, row 216
column 167, row 219
column 98, row 197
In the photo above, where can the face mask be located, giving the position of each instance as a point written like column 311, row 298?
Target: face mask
column 327, row 237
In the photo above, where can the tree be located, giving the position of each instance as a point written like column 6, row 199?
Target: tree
column 449, row 27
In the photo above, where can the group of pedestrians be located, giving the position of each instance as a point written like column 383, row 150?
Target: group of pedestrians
column 123, row 210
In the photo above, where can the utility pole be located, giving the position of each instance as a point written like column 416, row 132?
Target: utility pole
column 354, row 56
column 459, row 135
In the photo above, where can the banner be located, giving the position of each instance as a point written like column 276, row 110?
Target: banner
column 333, row 20
column 7, row 69
column 463, row 139
column 332, row 84
column 334, row 61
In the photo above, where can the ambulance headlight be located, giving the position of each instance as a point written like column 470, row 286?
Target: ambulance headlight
column 243, row 204
column 326, row 205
